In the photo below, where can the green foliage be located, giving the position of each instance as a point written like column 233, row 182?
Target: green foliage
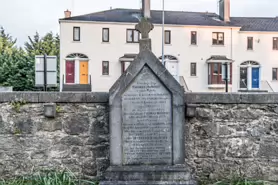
column 17, row 65
column 17, row 104
column 58, row 109
column 17, row 131
column 234, row 180
column 49, row 44
column 7, row 43
column 241, row 182
column 48, row 178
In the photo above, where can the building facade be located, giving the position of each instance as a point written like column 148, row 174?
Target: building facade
column 97, row 48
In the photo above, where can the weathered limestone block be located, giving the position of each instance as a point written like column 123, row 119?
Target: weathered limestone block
column 268, row 150
column 50, row 110
column 79, row 124
column 72, row 141
column 50, row 125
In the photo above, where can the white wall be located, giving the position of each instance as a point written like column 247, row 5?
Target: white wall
column 262, row 53
column 234, row 48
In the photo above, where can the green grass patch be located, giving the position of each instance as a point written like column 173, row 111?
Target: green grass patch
column 48, row 178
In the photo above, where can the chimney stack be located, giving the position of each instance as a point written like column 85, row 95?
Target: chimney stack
column 146, row 7
column 224, row 10
column 67, row 14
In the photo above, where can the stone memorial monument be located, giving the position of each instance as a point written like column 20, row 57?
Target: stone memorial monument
column 147, row 123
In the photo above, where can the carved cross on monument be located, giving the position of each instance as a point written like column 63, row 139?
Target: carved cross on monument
column 144, row 27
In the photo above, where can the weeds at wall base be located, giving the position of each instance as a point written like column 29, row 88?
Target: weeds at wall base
column 48, row 178
column 233, row 180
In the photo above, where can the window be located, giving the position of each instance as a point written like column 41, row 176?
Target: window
column 250, row 43
column 275, row 43
column 132, row 36
column 193, row 38
column 218, row 38
column 105, row 68
column 167, row 37
column 76, row 33
column 274, row 73
column 193, row 69
column 105, row 34
column 216, row 70
column 125, row 66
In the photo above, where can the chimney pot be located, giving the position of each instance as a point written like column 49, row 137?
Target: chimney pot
column 67, row 14
column 224, row 10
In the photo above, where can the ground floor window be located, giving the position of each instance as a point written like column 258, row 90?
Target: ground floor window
column 250, row 75
column 216, row 73
column 105, row 68
column 243, row 77
column 193, row 69
column 125, row 66
column 275, row 74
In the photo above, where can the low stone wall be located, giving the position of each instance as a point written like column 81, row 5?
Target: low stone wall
column 77, row 139
column 229, row 133
column 233, row 134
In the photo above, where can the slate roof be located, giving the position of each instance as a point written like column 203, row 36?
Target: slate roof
column 269, row 24
column 181, row 18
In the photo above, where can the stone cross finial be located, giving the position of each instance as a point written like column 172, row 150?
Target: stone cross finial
column 144, row 27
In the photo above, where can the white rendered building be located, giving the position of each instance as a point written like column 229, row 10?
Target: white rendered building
column 96, row 49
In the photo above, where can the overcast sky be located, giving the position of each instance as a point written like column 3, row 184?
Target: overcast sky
column 21, row 18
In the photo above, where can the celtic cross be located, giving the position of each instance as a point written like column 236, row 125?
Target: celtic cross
column 144, row 27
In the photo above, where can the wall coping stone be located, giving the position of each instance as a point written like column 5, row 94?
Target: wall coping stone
column 55, row 97
column 231, row 98
column 103, row 97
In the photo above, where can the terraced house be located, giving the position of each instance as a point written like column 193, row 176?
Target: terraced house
column 97, row 48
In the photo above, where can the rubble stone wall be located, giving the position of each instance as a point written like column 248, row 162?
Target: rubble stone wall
column 229, row 134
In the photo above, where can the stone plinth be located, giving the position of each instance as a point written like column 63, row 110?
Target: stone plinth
column 149, row 175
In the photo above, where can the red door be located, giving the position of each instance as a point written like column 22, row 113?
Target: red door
column 69, row 71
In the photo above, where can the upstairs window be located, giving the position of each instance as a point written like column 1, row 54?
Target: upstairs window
column 105, row 68
column 105, row 34
column 76, row 33
column 249, row 43
column 167, row 36
column 193, row 38
column 275, row 74
column 218, row 38
column 132, row 36
column 275, row 43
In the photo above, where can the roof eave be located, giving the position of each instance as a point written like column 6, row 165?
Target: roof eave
column 241, row 31
column 111, row 22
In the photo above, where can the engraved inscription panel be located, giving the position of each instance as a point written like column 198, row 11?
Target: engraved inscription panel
column 147, row 121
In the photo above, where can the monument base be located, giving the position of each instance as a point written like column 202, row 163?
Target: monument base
column 149, row 175
column 147, row 183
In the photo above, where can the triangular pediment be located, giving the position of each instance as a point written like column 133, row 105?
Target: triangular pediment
column 147, row 58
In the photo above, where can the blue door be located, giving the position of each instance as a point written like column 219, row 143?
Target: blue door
column 255, row 77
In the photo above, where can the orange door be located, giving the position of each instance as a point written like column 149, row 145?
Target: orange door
column 83, row 72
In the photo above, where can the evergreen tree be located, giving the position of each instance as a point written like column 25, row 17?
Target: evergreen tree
column 17, row 66
column 7, row 43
